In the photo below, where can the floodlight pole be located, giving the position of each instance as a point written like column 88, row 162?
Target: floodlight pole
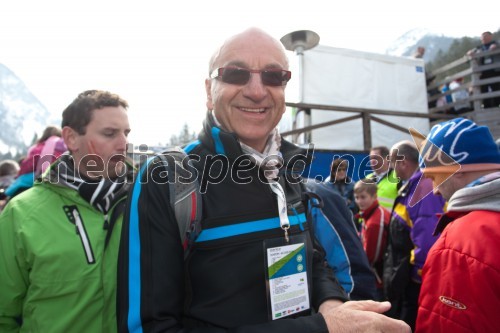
column 298, row 42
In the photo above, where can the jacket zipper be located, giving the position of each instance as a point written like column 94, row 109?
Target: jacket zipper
column 84, row 237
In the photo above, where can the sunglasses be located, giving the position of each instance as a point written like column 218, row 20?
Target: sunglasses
column 241, row 76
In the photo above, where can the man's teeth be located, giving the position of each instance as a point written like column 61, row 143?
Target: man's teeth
column 253, row 110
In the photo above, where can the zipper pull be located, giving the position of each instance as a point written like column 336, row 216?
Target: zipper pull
column 106, row 222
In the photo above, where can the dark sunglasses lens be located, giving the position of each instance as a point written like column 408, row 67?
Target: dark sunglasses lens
column 235, row 76
column 274, row 78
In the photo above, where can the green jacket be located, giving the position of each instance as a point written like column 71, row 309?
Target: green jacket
column 387, row 188
column 53, row 278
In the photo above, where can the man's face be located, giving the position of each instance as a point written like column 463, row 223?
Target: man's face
column 400, row 165
column 486, row 38
column 252, row 110
column 442, row 183
column 364, row 200
column 101, row 150
column 378, row 163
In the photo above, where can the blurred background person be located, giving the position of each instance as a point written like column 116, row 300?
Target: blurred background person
column 419, row 52
column 46, row 150
column 340, row 182
column 413, row 220
column 459, row 95
column 338, row 235
column 374, row 220
column 384, row 176
column 488, row 44
column 8, row 172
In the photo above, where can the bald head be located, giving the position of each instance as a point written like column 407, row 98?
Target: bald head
column 248, row 106
column 252, row 38
column 404, row 159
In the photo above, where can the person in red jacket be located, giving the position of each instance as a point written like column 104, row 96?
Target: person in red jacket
column 374, row 223
column 461, row 277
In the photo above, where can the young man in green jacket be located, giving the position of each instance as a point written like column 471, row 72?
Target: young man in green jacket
column 59, row 240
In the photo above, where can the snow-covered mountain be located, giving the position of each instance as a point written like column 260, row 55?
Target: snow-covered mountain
column 407, row 44
column 22, row 115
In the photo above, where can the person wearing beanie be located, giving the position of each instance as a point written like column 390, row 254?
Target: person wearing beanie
column 461, row 277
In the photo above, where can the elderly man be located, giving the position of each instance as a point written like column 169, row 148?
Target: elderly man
column 255, row 266
column 413, row 219
column 461, row 277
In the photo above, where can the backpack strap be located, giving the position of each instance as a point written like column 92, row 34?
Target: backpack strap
column 185, row 198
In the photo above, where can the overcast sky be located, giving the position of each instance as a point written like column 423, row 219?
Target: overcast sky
column 155, row 53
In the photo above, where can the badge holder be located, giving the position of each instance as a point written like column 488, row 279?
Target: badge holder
column 286, row 268
column 286, row 276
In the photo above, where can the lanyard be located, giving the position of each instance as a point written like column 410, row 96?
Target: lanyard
column 280, row 196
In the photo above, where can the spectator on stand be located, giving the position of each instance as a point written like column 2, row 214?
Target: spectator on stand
column 458, row 95
column 488, row 44
column 419, row 52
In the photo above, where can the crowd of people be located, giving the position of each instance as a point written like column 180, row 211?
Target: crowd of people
column 455, row 91
column 91, row 247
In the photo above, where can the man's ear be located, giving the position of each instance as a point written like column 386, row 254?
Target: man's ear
column 208, row 89
column 70, row 137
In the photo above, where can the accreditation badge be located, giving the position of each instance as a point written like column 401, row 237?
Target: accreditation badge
column 288, row 289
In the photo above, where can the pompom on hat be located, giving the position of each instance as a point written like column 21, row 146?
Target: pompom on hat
column 459, row 145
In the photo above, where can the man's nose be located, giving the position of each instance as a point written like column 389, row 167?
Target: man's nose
column 255, row 89
column 122, row 141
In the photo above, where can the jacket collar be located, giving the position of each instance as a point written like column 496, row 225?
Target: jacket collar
column 369, row 211
column 226, row 143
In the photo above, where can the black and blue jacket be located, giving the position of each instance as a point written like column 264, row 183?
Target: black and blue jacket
column 335, row 230
column 221, row 286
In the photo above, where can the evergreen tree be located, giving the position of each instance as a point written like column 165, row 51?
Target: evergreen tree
column 184, row 137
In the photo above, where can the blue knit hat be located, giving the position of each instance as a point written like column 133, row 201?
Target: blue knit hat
column 459, row 145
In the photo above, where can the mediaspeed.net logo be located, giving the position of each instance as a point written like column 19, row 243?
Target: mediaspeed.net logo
column 431, row 156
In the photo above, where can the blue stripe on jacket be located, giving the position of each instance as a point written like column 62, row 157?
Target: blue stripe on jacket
column 134, row 258
column 246, row 228
column 219, row 147
column 191, row 146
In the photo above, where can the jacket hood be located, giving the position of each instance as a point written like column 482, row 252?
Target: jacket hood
column 485, row 196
